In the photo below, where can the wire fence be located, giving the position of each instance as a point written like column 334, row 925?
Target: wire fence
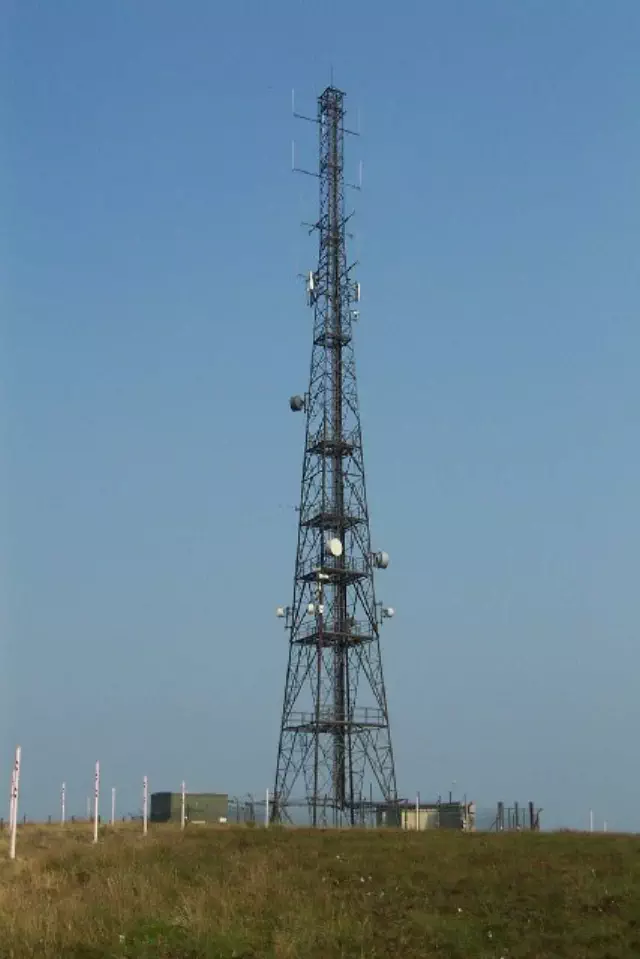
column 249, row 811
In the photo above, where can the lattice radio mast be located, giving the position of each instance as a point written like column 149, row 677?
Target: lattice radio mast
column 335, row 739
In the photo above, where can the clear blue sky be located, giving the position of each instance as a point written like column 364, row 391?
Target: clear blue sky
column 152, row 329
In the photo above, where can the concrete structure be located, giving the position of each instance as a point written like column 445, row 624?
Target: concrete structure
column 427, row 817
column 200, row 808
column 453, row 815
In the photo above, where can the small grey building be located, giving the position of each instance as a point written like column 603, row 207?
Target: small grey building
column 200, row 808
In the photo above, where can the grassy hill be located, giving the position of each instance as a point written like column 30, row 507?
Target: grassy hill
column 217, row 892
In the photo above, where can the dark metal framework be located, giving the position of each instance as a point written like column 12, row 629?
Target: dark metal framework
column 335, row 741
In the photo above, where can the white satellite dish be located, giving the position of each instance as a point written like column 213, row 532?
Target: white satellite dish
column 335, row 547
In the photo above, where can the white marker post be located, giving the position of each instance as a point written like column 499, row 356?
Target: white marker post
column 591, row 820
column 418, row 811
column 145, row 805
column 18, row 764
column 113, row 805
column 183, row 810
column 15, row 791
column 63, row 804
column 96, row 803
column 11, row 795
column 266, row 810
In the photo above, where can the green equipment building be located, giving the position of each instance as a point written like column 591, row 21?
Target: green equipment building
column 200, row 808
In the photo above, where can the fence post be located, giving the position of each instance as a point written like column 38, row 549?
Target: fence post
column 96, row 802
column 15, row 790
column 145, row 805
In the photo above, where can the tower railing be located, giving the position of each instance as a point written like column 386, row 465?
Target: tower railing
column 361, row 716
column 334, row 568
column 352, row 632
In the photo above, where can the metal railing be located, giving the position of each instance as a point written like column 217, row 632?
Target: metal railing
column 320, row 440
column 360, row 716
column 356, row 630
column 333, row 568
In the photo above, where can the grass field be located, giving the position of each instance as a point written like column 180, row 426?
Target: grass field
column 275, row 893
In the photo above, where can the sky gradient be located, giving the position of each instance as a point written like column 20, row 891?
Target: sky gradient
column 152, row 328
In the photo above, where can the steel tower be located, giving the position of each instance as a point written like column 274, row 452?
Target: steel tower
column 335, row 742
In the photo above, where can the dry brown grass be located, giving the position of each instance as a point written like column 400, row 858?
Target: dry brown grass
column 289, row 894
